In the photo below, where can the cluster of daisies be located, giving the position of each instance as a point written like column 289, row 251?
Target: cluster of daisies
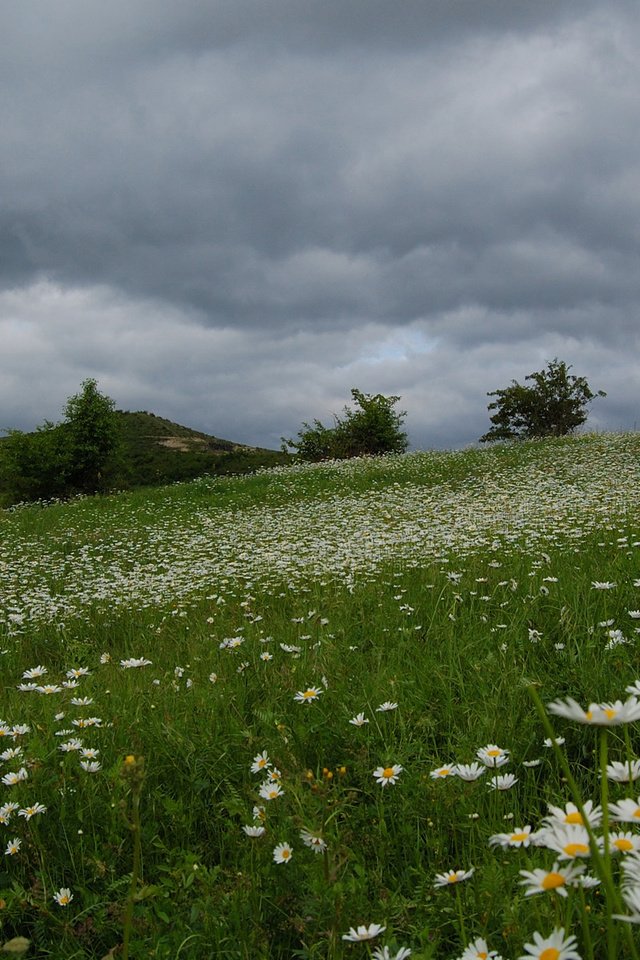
column 271, row 789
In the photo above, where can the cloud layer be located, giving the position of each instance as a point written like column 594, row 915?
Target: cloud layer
column 232, row 213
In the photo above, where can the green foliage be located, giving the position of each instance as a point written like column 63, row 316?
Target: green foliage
column 373, row 428
column 78, row 455
column 553, row 407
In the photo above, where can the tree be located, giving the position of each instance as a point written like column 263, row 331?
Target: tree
column 373, row 428
column 78, row 455
column 555, row 405
column 92, row 436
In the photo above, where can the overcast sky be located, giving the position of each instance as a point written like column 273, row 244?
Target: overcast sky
column 231, row 212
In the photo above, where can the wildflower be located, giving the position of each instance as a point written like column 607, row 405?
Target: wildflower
column 48, row 689
column 6, row 812
column 70, row 745
column 603, row 585
column 361, row 932
column 19, row 730
column 308, row 696
column 531, row 763
column 441, row 773
column 63, row 897
column 270, row 791
column 91, row 766
column 386, row 775
column 383, row 953
column 624, row 843
column 548, row 742
column 89, row 753
column 478, row 950
column 623, row 772
column 502, row 782
column 13, row 846
column 554, row 947
column 314, row 842
column 520, row 837
column 81, row 702
column 541, row 881
column 10, row 779
column 253, row 831
column 282, row 853
column 625, row 811
column 571, row 815
column 470, row 771
column 599, row 714
column 11, row 754
column 266, row 656
column 261, row 762
column 135, row 662
column 386, row 706
column 453, row 876
column 76, row 672
column 568, row 840
column 259, row 813
column 32, row 811
column 34, row 672
column 359, row 720
column 213, row 678
column 492, row 755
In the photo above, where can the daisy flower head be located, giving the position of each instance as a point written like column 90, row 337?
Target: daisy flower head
column 603, row 585
column 634, row 688
column 260, row 763
column 34, row 672
column 282, row 853
column 386, row 775
column 519, row 837
column 386, row 707
column 91, row 766
column 76, row 672
column 625, row 811
column 569, row 841
column 254, row 831
column 478, row 950
column 503, row 781
column 63, row 897
column 359, row 720
column 271, row 791
column 554, row 947
column 492, row 755
column 6, row 812
column 32, row 811
column 308, row 695
column 556, row 879
column 624, row 842
column 132, row 662
column 361, row 932
column 15, row 776
column 383, row 953
column 549, row 742
column 470, row 771
column 598, row 714
column 441, row 773
column 623, row 772
column 313, row 841
column 452, row 877
column 571, row 815
column 13, row 847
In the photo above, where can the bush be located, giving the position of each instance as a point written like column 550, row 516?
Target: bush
column 373, row 428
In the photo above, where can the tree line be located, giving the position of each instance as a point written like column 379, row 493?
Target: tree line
column 82, row 453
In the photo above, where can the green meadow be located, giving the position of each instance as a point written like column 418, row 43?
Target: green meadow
column 303, row 713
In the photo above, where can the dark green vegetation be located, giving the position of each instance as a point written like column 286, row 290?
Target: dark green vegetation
column 373, row 428
column 553, row 406
column 97, row 448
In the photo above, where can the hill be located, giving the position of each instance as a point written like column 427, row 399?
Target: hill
column 157, row 451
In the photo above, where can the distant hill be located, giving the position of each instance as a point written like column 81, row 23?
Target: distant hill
column 156, row 451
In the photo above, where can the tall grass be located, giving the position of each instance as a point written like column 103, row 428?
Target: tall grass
column 429, row 593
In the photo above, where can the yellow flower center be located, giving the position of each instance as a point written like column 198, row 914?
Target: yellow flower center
column 494, row 753
column 285, row 854
column 482, row 955
column 551, row 953
column 552, row 881
column 308, row 694
column 621, row 843
column 387, row 772
column 589, row 715
column 452, row 878
column 575, row 849
column 518, row 837
column 610, row 714
column 636, row 813
column 575, row 817
column 444, row 772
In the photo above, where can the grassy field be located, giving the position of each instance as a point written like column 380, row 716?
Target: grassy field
column 245, row 716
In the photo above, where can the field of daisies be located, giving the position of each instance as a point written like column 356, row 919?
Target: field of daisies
column 382, row 708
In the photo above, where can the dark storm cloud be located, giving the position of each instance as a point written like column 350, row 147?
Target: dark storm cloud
column 425, row 198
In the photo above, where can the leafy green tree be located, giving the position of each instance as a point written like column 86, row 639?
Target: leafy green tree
column 553, row 406
column 374, row 427
column 79, row 455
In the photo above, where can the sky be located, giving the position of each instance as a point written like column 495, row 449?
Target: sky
column 232, row 212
